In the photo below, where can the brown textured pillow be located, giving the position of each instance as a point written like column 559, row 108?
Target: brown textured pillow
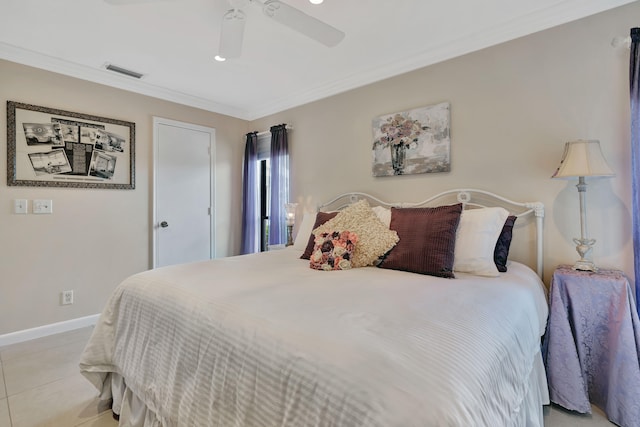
column 321, row 218
column 427, row 240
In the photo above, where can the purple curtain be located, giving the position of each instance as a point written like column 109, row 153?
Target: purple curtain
column 250, row 204
column 279, row 184
column 634, row 84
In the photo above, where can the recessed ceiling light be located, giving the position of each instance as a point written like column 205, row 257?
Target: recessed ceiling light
column 219, row 58
column 316, row 1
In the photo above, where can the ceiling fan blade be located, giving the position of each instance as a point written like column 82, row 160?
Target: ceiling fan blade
column 232, row 34
column 303, row 23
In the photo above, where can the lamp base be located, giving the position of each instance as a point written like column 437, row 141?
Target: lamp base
column 585, row 265
column 583, row 248
column 289, row 235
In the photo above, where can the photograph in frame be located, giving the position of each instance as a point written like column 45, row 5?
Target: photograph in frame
column 47, row 147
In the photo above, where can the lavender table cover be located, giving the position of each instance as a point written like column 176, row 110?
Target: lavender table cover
column 592, row 344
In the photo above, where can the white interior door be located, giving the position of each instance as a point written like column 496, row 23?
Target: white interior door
column 184, row 215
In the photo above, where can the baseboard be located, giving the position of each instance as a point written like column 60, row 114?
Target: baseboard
column 45, row 330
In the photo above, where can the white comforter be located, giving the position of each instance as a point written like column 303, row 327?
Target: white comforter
column 263, row 340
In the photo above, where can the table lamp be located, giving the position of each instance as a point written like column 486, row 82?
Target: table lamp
column 581, row 159
column 290, row 212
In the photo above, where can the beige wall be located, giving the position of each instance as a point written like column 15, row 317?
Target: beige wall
column 512, row 108
column 94, row 238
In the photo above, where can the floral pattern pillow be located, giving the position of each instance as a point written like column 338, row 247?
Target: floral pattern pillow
column 333, row 250
column 374, row 238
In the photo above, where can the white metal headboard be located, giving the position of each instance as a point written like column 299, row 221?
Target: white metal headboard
column 470, row 198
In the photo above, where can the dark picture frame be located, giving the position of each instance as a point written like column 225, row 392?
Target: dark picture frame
column 47, row 147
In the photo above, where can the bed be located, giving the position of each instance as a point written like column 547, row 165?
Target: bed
column 264, row 340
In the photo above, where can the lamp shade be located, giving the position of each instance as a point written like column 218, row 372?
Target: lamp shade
column 290, row 212
column 582, row 158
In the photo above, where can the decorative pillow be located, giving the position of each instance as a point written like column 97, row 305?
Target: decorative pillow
column 333, row 250
column 427, row 240
column 321, row 218
column 476, row 240
column 304, row 231
column 501, row 252
column 374, row 238
column 383, row 214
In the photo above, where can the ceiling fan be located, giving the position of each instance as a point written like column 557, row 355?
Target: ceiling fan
column 233, row 21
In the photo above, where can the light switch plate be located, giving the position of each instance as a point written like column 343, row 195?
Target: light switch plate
column 20, row 206
column 41, row 206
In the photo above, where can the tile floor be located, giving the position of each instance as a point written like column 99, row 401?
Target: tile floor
column 40, row 386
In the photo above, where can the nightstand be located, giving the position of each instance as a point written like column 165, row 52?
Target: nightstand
column 592, row 344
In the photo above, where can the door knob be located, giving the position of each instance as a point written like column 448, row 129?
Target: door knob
column 164, row 224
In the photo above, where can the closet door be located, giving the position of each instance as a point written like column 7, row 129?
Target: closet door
column 184, row 214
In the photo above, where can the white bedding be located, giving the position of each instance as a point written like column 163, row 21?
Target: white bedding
column 263, row 340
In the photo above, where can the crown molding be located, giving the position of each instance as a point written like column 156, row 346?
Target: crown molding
column 560, row 13
column 540, row 20
column 57, row 65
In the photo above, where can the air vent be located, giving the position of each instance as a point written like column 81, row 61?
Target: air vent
column 124, row 71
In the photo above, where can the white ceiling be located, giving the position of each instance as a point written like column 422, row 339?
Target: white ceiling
column 173, row 43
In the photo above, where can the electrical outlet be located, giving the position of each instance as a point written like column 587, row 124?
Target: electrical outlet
column 67, row 297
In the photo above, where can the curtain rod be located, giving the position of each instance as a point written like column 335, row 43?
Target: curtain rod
column 267, row 132
column 621, row 41
column 625, row 41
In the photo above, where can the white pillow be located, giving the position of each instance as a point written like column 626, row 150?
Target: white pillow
column 384, row 214
column 304, row 231
column 476, row 239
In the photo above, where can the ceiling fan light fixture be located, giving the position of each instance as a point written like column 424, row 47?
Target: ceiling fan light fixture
column 219, row 58
column 316, row 1
column 231, row 34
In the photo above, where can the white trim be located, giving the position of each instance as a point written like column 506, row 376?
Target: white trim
column 538, row 20
column 108, row 78
column 212, row 170
column 46, row 330
column 439, row 51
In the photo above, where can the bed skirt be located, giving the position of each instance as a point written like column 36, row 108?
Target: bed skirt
column 132, row 411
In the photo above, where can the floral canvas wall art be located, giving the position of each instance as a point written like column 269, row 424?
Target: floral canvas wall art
column 411, row 142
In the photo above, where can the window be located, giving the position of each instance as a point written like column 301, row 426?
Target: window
column 264, row 152
column 265, row 189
